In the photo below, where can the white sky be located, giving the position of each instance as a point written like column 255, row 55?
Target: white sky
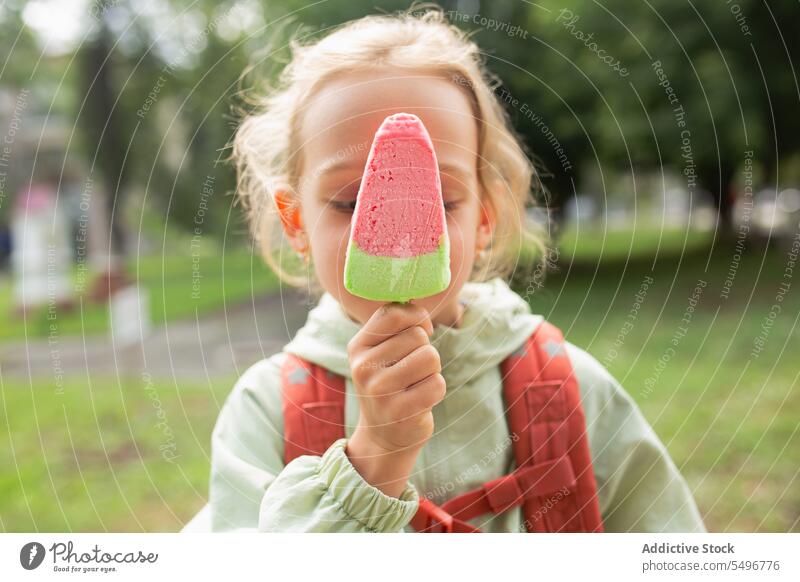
column 61, row 25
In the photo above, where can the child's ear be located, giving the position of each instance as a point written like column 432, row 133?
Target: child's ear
column 291, row 220
column 486, row 224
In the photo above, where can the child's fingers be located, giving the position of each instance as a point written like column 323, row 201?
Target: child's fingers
column 420, row 397
column 397, row 347
column 391, row 319
column 418, row 365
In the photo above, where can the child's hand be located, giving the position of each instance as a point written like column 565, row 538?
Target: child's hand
column 396, row 373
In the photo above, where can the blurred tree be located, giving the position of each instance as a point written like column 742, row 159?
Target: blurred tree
column 18, row 47
column 772, row 51
column 159, row 96
column 106, row 127
column 703, row 83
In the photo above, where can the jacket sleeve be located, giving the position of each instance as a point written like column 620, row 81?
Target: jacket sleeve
column 639, row 487
column 251, row 489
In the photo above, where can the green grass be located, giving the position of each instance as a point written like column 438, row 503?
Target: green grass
column 174, row 290
column 613, row 245
column 90, row 458
column 598, row 245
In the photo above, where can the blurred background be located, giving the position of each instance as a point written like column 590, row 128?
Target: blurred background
column 668, row 137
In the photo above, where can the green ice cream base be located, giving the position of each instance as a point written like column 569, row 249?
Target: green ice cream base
column 397, row 279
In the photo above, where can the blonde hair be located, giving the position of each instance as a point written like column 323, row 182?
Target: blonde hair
column 264, row 145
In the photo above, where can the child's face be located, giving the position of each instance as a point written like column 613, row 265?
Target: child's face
column 335, row 136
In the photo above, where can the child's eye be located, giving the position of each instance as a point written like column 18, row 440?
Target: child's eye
column 344, row 205
column 450, row 206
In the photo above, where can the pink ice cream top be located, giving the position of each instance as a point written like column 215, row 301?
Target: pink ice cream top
column 399, row 210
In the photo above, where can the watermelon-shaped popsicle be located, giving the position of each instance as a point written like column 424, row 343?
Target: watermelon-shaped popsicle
column 399, row 249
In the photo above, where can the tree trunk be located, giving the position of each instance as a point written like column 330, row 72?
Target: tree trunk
column 104, row 134
column 718, row 180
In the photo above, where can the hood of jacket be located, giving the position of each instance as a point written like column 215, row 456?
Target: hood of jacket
column 495, row 323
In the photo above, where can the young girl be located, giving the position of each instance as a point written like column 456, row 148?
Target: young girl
column 425, row 418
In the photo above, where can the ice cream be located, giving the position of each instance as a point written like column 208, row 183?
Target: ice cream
column 399, row 249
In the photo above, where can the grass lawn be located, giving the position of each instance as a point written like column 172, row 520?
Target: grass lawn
column 178, row 284
column 647, row 239
column 106, row 454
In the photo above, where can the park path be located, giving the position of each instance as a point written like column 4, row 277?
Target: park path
column 219, row 344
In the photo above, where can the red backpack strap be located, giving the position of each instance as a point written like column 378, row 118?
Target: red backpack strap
column 313, row 408
column 554, row 479
column 548, row 431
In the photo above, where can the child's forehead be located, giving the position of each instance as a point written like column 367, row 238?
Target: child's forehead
column 340, row 120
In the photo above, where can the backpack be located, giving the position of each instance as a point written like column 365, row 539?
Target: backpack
column 554, row 480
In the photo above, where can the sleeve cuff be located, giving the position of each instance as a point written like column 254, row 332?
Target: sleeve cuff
column 362, row 502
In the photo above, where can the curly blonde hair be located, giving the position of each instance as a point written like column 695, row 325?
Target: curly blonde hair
column 265, row 143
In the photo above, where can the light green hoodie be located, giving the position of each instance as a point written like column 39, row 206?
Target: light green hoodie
column 639, row 487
